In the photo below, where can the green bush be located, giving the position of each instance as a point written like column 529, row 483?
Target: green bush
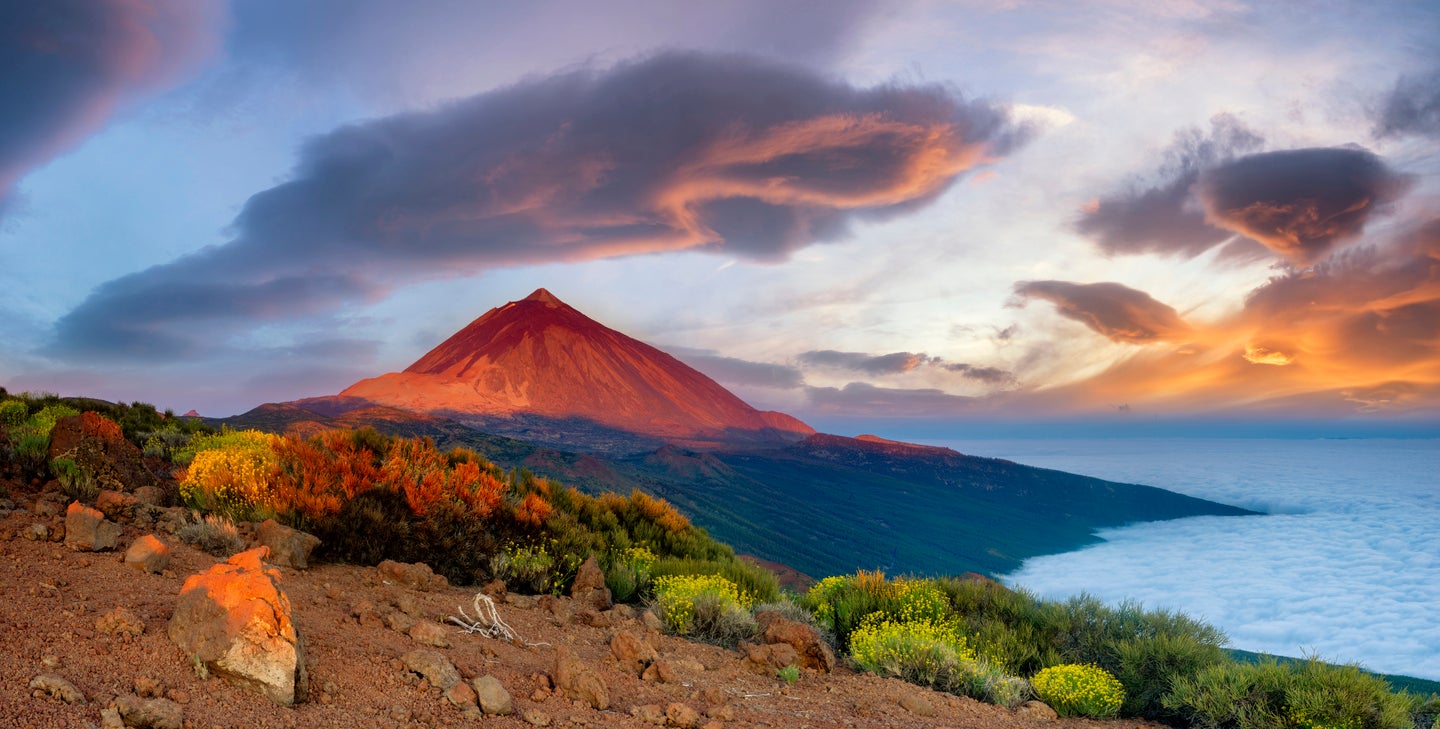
column 528, row 568
column 13, row 412
column 984, row 681
column 754, row 581
column 213, row 534
column 1272, row 695
column 1010, row 628
column 76, row 482
column 627, row 572
column 704, row 606
column 789, row 674
column 922, row 652
column 1079, row 690
column 1148, row 667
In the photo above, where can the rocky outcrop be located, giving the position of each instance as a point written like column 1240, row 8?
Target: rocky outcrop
column 87, row 530
column 812, row 650
column 148, row 554
column 578, row 681
column 236, row 621
column 97, row 445
column 288, row 547
column 589, row 590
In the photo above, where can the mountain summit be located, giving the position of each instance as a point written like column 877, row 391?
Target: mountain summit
column 546, row 368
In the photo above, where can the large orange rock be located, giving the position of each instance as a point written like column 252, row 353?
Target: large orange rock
column 87, row 530
column 96, row 444
column 235, row 619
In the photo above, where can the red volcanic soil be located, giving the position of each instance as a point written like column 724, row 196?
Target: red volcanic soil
column 538, row 356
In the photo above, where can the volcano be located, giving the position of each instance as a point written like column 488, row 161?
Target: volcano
column 540, row 369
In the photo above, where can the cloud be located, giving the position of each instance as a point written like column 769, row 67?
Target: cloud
column 987, row 375
column 1351, row 572
column 1162, row 216
column 734, row 371
column 680, row 151
column 67, row 65
column 871, row 364
column 1299, row 203
column 1412, row 107
column 1115, row 311
column 860, row 398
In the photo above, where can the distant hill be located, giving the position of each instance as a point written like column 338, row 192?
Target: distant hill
column 824, row 505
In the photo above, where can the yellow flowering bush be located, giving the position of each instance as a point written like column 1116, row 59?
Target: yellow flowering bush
column 1079, row 690
column 927, row 652
column 232, row 474
column 821, row 597
column 676, row 597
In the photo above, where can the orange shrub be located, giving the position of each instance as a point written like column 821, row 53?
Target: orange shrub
column 533, row 510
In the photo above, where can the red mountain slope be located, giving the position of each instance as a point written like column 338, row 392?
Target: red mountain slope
column 540, row 357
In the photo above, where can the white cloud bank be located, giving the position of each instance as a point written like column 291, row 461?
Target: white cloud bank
column 1347, row 564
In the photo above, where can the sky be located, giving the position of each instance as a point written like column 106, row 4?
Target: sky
column 906, row 217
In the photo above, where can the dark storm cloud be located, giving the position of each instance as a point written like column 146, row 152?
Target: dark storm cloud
column 1161, row 216
column 1115, row 311
column 1412, row 107
column 1299, row 203
column 65, row 65
column 735, row 371
column 725, row 154
column 871, row 364
column 860, row 398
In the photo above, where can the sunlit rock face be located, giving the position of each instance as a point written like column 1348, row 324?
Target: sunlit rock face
column 540, row 357
column 234, row 619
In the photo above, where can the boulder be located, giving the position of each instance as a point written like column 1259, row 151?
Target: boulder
column 86, row 529
column 494, row 699
column 288, row 547
column 153, row 713
column 813, row 651
column 434, row 666
column 148, row 554
column 578, row 681
column 633, row 654
column 235, row 620
column 588, row 589
column 417, row 576
column 97, row 445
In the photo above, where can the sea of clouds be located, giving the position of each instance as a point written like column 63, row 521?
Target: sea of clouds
column 1345, row 563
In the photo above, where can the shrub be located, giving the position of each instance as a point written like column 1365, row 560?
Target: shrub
column 985, row 681
column 531, row 568
column 13, row 412
column 758, row 583
column 214, row 534
column 1148, row 667
column 1271, row 695
column 701, row 605
column 1079, row 690
column 232, row 478
column 1010, row 628
column 627, row 572
column 76, row 481
column 820, row 599
column 921, row 652
column 789, row 674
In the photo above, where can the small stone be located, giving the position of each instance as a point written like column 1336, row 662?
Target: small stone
column 652, row 621
column 682, row 716
column 110, row 719
column 495, row 589
column 535, row 717
column 588, row 588
column 1036, row 711
column 539, row 695
column 434, row 666
column 430, row 634
column 417, row 576
column 56, row 687
column 715, row 724
column 400, row 622
column 153, row 713
column 148, row 554
column 494, row 699
column 36, row 533
column 662, row 671
column 461, row 695
column 50, row 661
column 722, row 712
column 633, row 654
column 578, row 681
column 87, row 530
column 649, row 713
column 365, row 613
column 917, row 705
column 713, row 696
column 148, row 688
column 121, row 622
column 288, row 547
column 178, row 696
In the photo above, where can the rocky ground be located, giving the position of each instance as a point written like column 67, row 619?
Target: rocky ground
column 61, row 618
